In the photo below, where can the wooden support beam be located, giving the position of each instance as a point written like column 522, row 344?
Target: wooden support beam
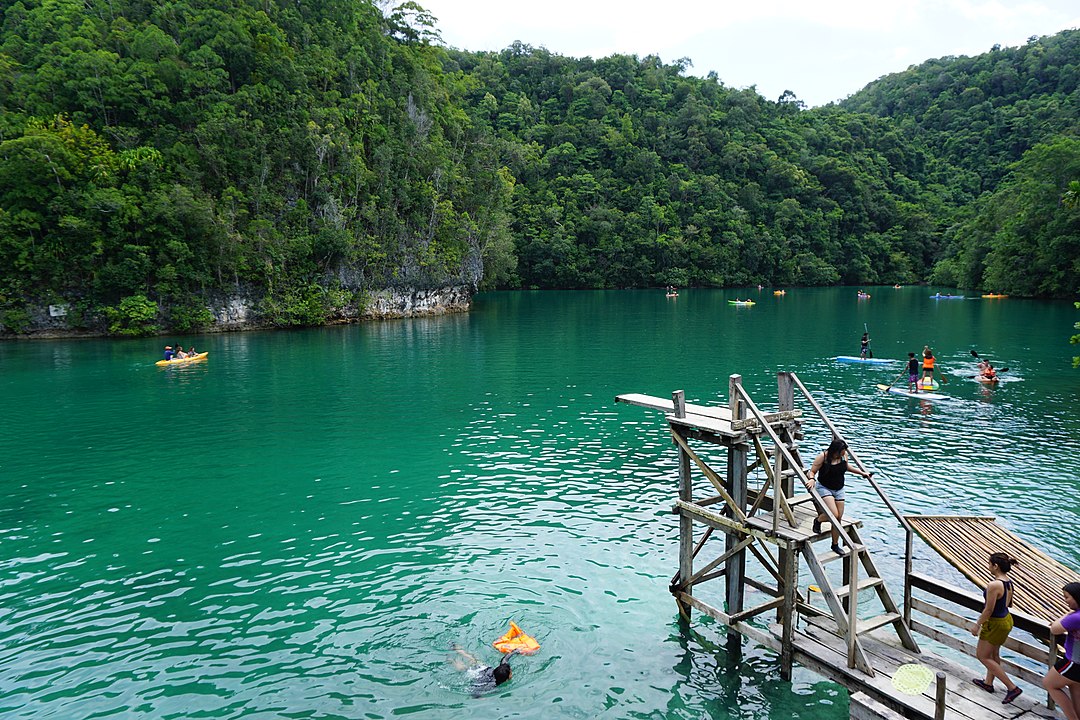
column 757, row 610
column 709, row 473
column 761, row 637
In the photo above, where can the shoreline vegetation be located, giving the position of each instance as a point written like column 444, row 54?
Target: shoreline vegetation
column 158, row 164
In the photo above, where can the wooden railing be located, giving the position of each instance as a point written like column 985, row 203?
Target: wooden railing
column 1046, row 652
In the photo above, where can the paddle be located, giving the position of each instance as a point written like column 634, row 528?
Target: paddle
column 869, row 350
column 896, row 381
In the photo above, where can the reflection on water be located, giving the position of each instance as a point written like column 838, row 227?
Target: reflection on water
column 304, row 523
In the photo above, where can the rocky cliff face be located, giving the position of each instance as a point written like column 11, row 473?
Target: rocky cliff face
column 237, row 313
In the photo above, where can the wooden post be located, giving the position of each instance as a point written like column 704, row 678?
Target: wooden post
column 686, row 529
column 786, row 402
column 735, row 567
column 853, row 604
column 939, row 700
column 790, row 564
column 908, row 559
column 678, row 399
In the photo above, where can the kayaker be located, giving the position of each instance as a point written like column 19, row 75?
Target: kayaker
column 168, row 353
column 180, row 354
column 865, row 346
column 830, row 467
column 192, row 352
column 912, row 373
column 481, row 677
column 927, row 366
column 989, row 373
column 994, row 625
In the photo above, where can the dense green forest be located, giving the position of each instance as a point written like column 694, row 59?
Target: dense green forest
column 155, row 155
column 1010, row 118
column 156, row 158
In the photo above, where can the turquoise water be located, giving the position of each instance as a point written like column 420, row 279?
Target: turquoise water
column 301, row 525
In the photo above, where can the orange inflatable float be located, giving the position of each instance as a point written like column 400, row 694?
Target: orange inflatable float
column 515, row 639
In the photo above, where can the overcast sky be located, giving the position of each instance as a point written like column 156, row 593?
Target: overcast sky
column 821, row 51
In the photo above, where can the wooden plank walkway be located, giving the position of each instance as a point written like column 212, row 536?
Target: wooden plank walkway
column 819, row 649
column 966, row 541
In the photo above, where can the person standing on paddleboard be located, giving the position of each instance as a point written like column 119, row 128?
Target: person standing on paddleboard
column 912, row 373
column 865, row 346
column 830, row 467
column 927, row 368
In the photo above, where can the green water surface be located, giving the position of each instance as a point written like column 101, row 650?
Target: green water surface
column 300, row 526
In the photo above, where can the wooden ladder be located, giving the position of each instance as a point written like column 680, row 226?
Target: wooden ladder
column 837, row 597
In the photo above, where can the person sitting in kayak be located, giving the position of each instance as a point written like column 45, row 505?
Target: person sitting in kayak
column 912, row 373
column 482, row 678
column 180, row 354
column 865, row 346
column 168, row 353
column 989, row 373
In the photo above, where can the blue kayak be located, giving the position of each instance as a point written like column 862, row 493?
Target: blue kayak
column 868, row 361
column 946, row 297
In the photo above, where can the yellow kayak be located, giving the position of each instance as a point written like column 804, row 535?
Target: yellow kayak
column 183, row 361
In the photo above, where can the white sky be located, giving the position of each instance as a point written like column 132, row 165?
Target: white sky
column 822, row 51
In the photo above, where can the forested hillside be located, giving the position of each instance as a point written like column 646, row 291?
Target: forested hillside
column 632, row 173
column 155, row 154
column 157, row 157
column 1010, row 118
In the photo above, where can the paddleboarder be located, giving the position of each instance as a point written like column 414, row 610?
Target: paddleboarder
column 912, row 373
column 865, row 346
column 927, row 368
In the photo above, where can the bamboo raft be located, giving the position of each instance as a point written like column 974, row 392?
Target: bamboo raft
column 966, row 541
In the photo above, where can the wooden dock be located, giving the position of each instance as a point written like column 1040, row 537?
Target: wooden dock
column 846, row 626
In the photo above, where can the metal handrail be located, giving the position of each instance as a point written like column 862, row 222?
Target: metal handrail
column 909, row 530
column 837, row 434
column 796, row 466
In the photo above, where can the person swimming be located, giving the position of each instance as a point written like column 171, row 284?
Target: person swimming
column 482, row 678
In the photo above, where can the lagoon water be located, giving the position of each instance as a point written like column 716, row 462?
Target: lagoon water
column 302, row 525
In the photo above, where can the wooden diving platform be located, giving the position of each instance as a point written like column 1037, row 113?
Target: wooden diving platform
column 966, row 541
column 760, row 539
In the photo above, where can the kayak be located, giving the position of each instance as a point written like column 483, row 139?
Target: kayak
column 903, row 391
column 182, row 361
column 987, row 381
column 946, row 297
column 868, row 361
column 779, row 292
column 995, row 296
column 741, row 302
column 864, row 296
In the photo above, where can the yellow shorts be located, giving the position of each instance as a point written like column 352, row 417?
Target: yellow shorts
column 996, row 630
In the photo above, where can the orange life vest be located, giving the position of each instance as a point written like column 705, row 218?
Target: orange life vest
column 928, row 363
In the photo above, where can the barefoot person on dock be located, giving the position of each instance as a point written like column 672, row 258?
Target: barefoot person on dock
column 994, row 625
column 1063, row 680
column 830, row 467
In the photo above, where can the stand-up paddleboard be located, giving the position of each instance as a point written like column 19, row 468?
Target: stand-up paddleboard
column 903, row 391
column 868, row 361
